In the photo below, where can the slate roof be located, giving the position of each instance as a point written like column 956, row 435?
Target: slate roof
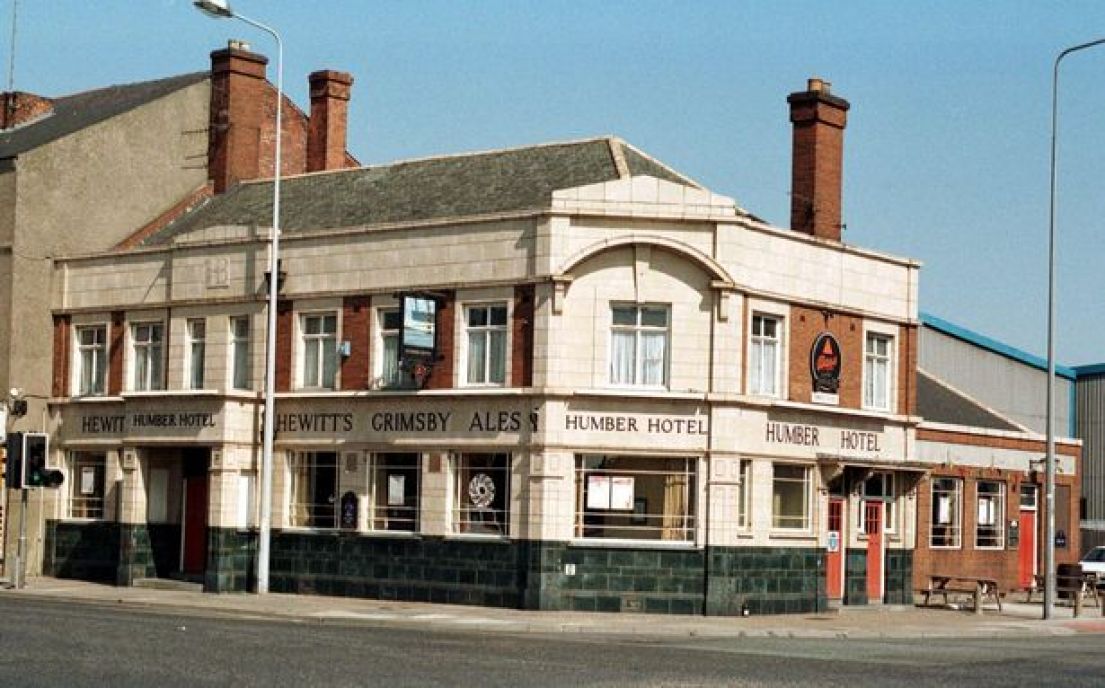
column 941, row 403
column 443, row 187
column 80, row 110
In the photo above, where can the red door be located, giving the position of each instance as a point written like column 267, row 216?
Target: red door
column 195, row 525
column 834, row 556
column 872, row 526
column 1027, row 548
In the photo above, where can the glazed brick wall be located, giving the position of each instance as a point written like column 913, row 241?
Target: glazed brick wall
column 231, row 560
column 115, row 353
column 355, row 370
column 60, row 387
column 805, row 325
column 967, row 560
column 442, row 375
column 84, row 551
column 522, row 337
column 284, row 315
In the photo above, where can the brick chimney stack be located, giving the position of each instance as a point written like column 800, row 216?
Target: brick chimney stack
column 329, row 120
column 238, row 95
column 817, row 167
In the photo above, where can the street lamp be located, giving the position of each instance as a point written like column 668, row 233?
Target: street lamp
column 1049, row 482
column 220, row 9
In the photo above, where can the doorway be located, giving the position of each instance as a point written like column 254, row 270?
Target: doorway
column 873, row 518
column 834, row 554
column 193, row 540
column 1026, row 550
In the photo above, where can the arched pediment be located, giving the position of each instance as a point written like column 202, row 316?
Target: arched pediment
column 718, row 274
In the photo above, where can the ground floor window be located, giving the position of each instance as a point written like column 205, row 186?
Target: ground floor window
column 86, row 484
column 314, row 490
column 946, row 513
column 744, row 496
column 790, row 497
column 395, row 492
column 990, row 527
column 635, row 498
column 481, row 494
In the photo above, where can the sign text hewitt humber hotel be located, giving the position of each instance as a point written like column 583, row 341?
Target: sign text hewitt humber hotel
column 591, row 384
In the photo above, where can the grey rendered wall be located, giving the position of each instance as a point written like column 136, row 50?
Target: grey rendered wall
column 1012, row 388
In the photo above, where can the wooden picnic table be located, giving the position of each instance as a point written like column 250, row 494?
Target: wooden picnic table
column 976, row 586
column 1078, row 585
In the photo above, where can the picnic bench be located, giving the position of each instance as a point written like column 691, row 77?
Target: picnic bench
column 975, row 586
column 1071, row 583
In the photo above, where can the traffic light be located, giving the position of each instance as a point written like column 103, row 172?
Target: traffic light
column 36, row 446
column 13, row 468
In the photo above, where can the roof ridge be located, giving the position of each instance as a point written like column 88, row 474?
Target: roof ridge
column 144, row 82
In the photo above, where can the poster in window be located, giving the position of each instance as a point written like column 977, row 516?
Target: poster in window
column 397, row 483
column 985, row 512
column 640, row 511
column 88, row 481
column 944, row 510
column 598, row 492
column 416, row 338
column 621, row 492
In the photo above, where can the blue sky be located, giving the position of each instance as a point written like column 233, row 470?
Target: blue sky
column 946, row 152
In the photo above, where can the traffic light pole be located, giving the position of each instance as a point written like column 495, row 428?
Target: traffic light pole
column 21, row 552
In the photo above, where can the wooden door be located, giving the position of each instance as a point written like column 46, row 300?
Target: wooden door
column 1027, row 548
column 834, row 555
column 194, row 555
column 873, row 528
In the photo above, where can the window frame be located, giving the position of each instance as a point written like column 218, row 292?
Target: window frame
column 996, row 527
column 78, row 360
column 681, row 529
column 777, row 517
column 956, row 524
column 744, row 496
column 381, row 508
column 75, row 461
column 459, row 488
column 638, row 330
column 871, row 359
column 191, row 342
column 756, row 363
column 487, row 330
column 142, row 351
column 387, row 375
column 307, row 515
column 245, row 344
column 305, row 340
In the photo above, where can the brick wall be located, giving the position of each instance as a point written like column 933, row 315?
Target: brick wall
column 522, row 336
column 442, row 375
column 356, row 369
column 907, row 369
column 60, row 387
column 806, row 324
column 115, row 353
column 284, row 346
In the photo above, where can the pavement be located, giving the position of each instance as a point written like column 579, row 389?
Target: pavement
column 872, row 621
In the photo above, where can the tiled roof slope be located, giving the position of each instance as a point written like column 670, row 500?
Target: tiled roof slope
column 941, row 403
column 443, row 187
column 80, row 110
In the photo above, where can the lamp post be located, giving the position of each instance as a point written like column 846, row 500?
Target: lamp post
column 1049, row 481
column 220, row 9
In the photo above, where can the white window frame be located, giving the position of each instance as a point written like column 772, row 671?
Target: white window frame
column 778, row 520
column 460, row 520
column 387, row 373
column 487, row 331
column 871, row 359
column 310, row 514
column 638, row 330
column 755, row 361
column 321, row 338
column 991, row 505
column 744, row 496
column 103, row 359
column 240, row 343
column 94, row 503
column 889, row 498
column 955, row 514
column 386, row 511
column 196, row 353
column 144, row 351
column 636, row 520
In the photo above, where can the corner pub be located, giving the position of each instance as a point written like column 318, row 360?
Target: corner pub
column 640, row 396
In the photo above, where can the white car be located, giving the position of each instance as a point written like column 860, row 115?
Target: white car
column 1094, row 562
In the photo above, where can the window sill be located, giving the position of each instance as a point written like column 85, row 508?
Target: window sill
column 615, row 543
column 792, row 534
column 946, row 548
column 93, row 399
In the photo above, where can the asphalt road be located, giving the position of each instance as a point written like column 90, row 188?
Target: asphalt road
column 46, row 643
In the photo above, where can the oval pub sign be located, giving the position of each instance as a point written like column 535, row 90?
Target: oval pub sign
column 825, row 363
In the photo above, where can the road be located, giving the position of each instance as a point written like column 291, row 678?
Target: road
column 47, row 643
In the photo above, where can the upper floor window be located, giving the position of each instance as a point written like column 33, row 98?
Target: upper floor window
column 947, row 515
column 197, row 345
column 765, row 354
column 146, row 339
column 320, row 350
column 91, row 359
column 388, row 370
column 486, row 329
column 876, row 371
column 639, row 345
column 239, row 347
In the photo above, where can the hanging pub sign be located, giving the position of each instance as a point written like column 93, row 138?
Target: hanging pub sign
column 418, row 335
column 825, row 368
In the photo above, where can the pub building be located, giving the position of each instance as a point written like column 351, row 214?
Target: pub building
column 564, row 376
